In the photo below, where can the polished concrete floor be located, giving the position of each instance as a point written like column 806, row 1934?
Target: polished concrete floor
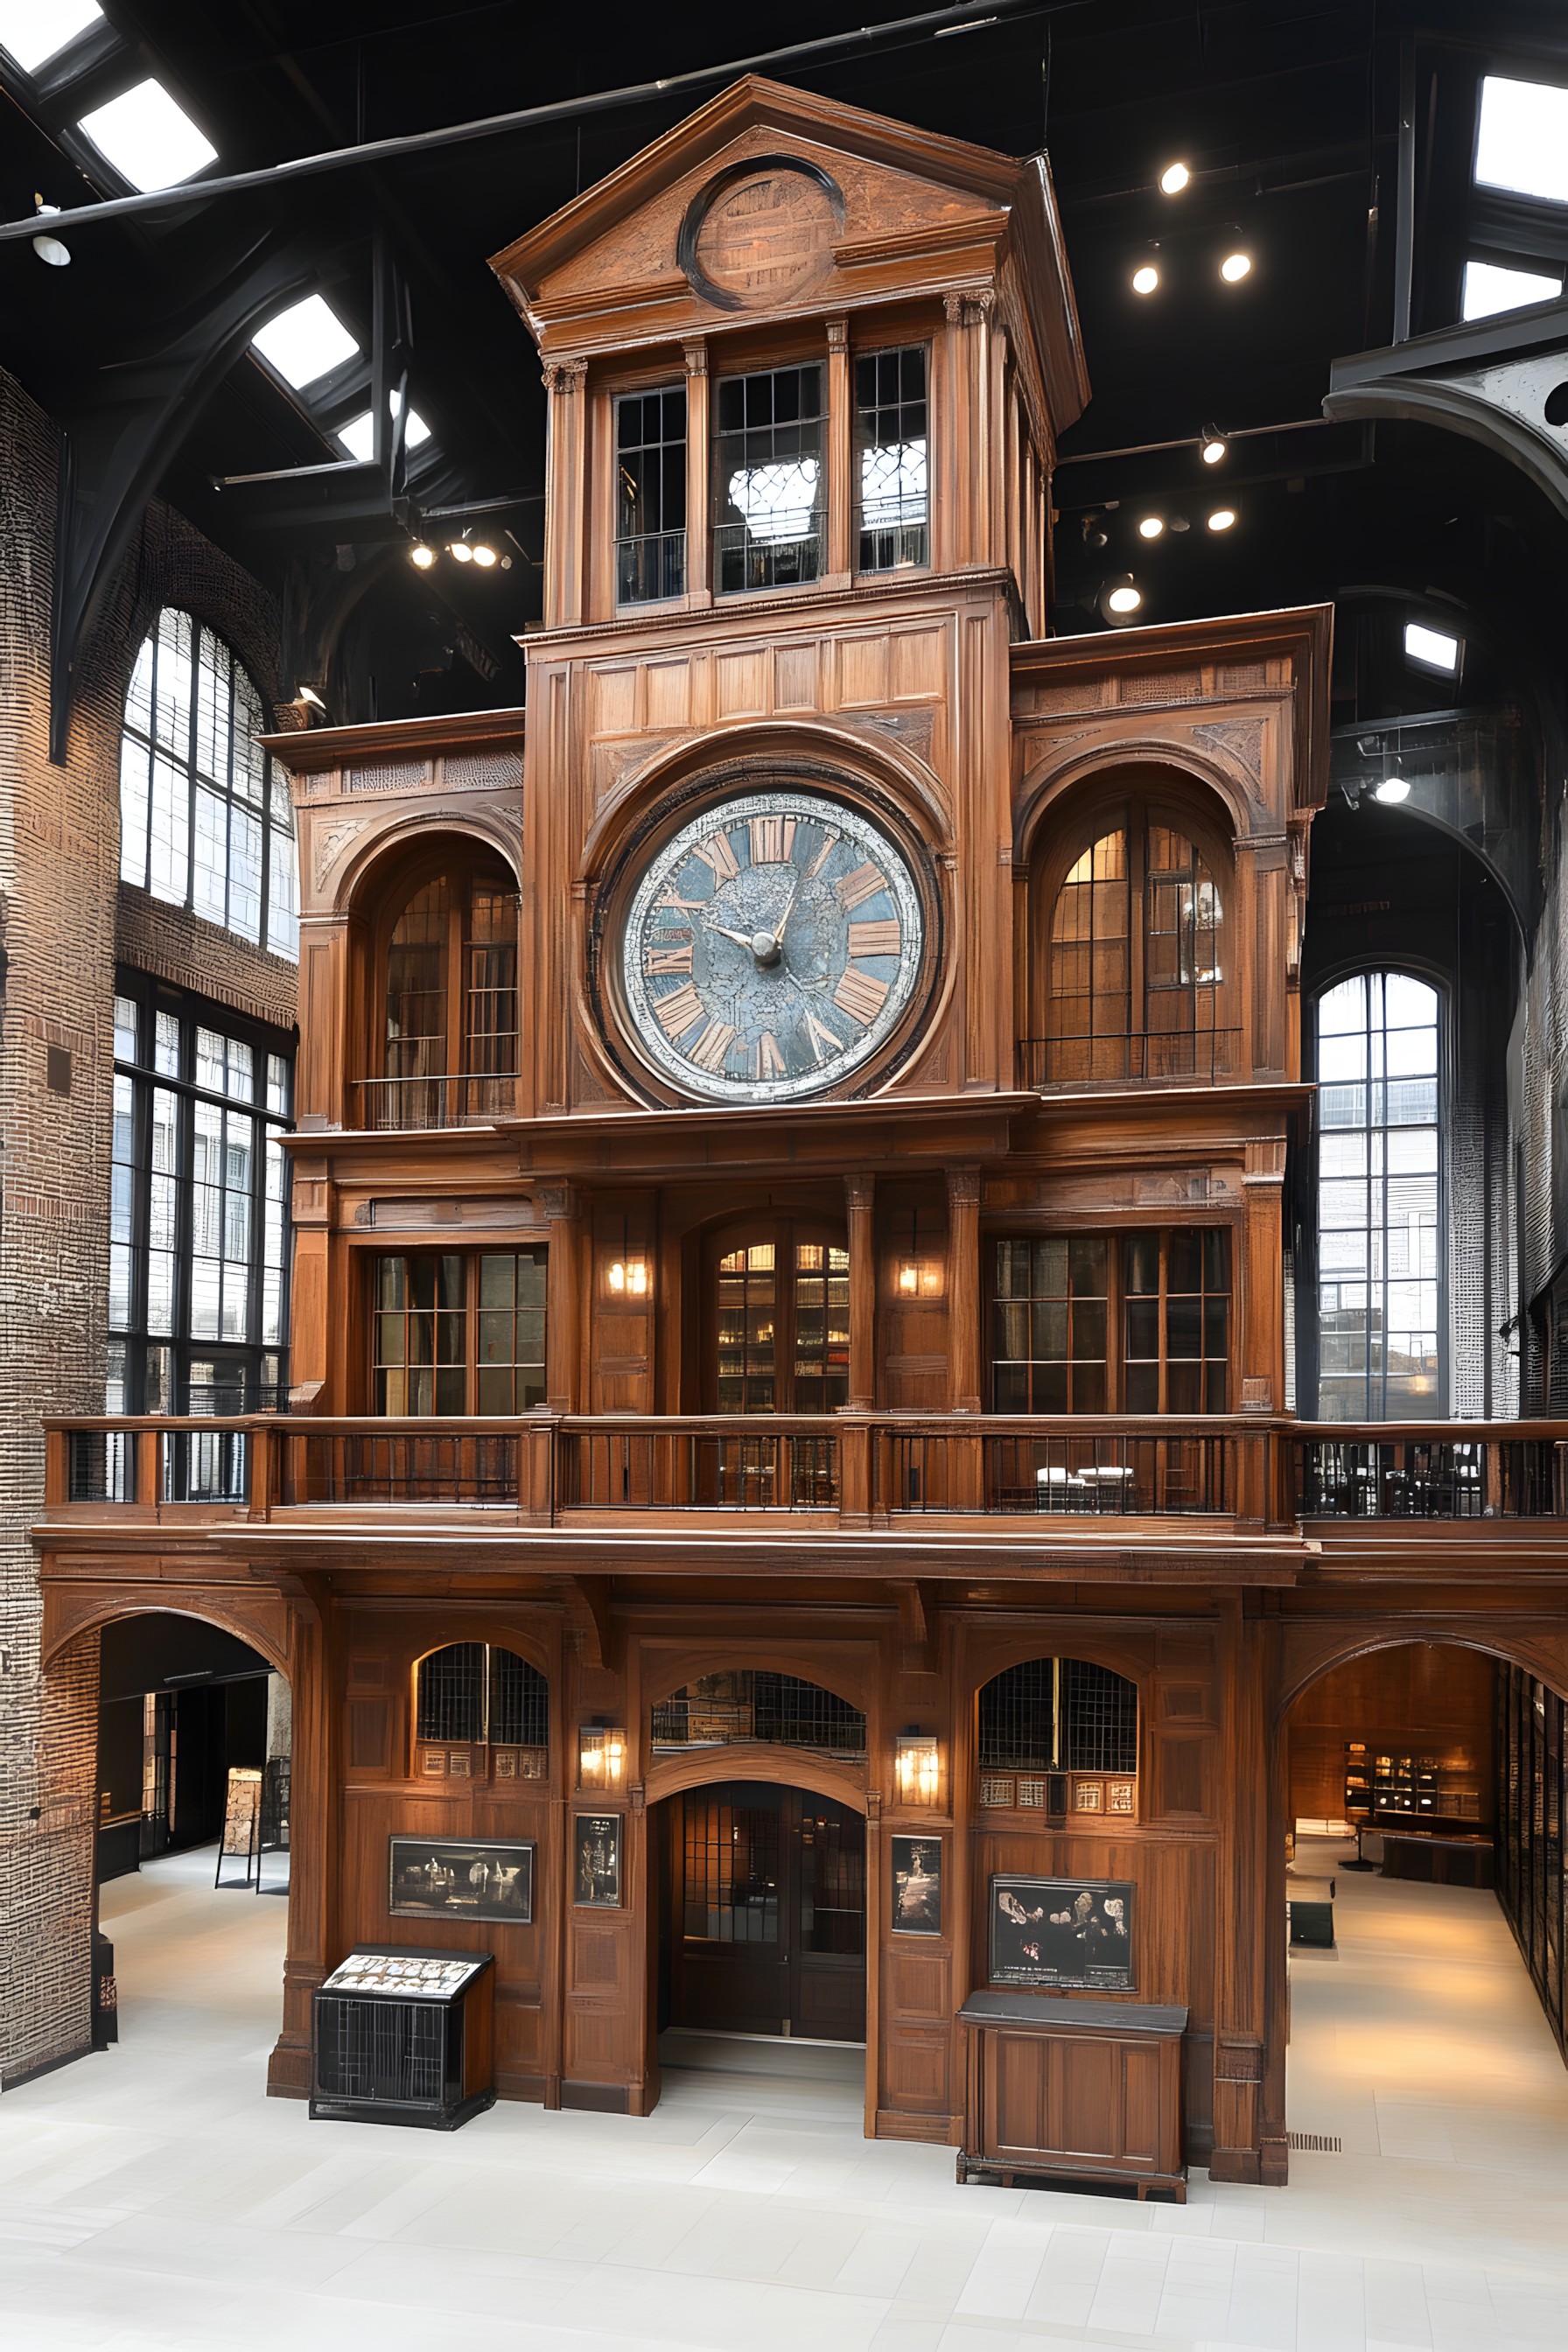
column 151, row 2200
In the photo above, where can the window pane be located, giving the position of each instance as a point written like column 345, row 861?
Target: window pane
column 768, row 479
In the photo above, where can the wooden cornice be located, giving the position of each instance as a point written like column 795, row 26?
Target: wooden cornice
column 310, row 749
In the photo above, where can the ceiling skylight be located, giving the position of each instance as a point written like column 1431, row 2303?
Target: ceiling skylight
column 1489, row 288
column 1431, row 649
column 305, row 341
column 150, row 141
column 358, row 435
column 1522, row 141
column 34, row 31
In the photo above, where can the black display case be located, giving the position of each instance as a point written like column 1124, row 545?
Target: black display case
column 401, row 2036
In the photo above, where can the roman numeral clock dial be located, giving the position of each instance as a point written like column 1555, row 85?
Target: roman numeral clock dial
column 771, row 947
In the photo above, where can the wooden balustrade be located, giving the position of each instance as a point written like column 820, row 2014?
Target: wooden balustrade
column 854, row 1469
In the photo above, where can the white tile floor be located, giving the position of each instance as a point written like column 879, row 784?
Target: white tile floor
column 151, row 2200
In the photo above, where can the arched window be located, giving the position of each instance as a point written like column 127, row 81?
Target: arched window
column 448, row 998
column 1134, row 958
column 717, row 1710
column 205, row 819
column 1380, row 1259
column 1059, row 1717
column 471, row 1696
column 781, row 1321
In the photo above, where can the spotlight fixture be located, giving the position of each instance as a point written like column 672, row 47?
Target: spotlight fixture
column 1095, row 534
column 1222, row 518
column 1145, row 280
column 460, row 551
column 1178, row 522
column 1174, row 179
column 51, row 248
column 1120, row 599
column 307, row 693
column 1234, row 267
column 421, row 556
column 1393, row 789
column 483, row 555
column 1150, row 527
column 1212, row 444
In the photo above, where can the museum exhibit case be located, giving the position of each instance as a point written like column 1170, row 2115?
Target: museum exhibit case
column 790, row 1515
column 405, row 2035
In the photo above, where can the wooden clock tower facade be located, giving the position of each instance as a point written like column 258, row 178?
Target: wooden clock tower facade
column 789, row 1247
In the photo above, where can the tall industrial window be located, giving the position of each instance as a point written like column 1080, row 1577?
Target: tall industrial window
column 1060, row 1302
column 205, row 819
column 894, row 509
column 454, row 1333
column 650, row 494
column 1380, row 1269
column 450, row 1003
column 1135, row 959
column 199, row 1214
column 768, row 479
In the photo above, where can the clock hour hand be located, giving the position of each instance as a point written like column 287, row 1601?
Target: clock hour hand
column 741, row 938
column 763, row 945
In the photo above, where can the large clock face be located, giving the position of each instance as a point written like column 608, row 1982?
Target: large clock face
column 771, row 947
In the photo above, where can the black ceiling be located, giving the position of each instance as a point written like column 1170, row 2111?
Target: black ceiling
column 1286, row 112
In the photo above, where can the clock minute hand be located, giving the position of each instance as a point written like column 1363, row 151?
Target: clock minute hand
column 794, row 896
column 741, row 938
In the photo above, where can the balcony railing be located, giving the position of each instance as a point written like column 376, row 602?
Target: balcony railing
column 1515, row 1470
column 1137, row 1057
column 383, row 1105
column 850, row 1470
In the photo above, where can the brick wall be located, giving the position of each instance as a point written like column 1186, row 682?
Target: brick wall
column 63, row 920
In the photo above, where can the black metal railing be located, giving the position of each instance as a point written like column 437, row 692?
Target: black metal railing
column 1109, row 1473
column 447, row 1465
column 677, row 1468
column 1369, row 1475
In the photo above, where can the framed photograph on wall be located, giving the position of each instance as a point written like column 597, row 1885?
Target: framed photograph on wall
column 1073, row 1934
column 597, row 1860
column 461, row 1879
column 917, row 1886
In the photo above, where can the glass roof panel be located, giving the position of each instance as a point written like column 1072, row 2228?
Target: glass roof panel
column 1491, row 288
column 358, row 435
column 305, row 341
column 34, row 31
column 150, row 140
column 1522, row 141
column 1431, row 647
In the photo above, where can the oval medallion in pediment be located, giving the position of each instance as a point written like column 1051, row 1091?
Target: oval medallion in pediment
column 764, row 235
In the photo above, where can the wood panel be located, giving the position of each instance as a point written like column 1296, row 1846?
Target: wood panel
column 1421, row 1697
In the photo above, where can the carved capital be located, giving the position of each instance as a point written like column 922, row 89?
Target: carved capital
column 838, row 334
column 859, row 1192
column 565, row 376
column 963, row 1188
column 969, row 306
column 558, row 1202
column 696, row 356
column 1265, row 1161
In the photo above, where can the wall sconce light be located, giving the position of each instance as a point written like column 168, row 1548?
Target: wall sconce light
column 918, row 1273
column 628, row 1277
column 601, row 1756
column 917, row 1768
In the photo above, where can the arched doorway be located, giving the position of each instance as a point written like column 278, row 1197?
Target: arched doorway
column 1419, row 1800
column 761, row 1875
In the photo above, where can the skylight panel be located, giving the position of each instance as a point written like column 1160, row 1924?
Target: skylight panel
column 1431, row 649
column 358, row 435
column 305, row 341
column 1491, row 288
column 150, row 140
column 1522, row 141
column 34, row 31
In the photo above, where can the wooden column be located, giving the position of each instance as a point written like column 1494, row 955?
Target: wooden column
column 315, row 1837
column 1243, row 1885
column 859, row 1195
column 566, row 474
column 963, row 1288
column 699, row 460
column 562, row 1298
column 840, row 455
column 1261, row 1349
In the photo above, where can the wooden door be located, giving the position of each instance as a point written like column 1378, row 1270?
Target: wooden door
column 766, row 1913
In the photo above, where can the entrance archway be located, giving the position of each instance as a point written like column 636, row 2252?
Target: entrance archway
column 1404, row 1733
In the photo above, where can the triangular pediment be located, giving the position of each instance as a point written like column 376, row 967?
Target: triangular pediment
column 770, row 203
